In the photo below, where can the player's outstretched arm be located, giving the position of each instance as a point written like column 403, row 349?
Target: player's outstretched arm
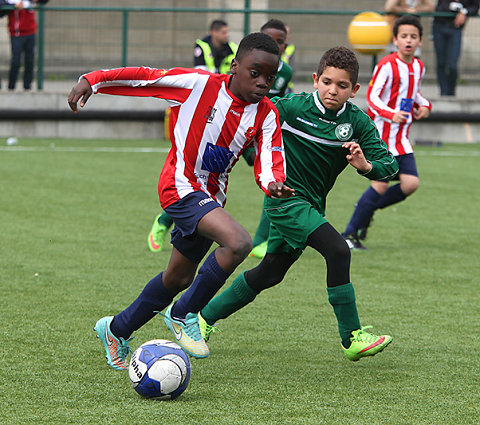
column 279, row 190
column 80, row 91
column 356, row 158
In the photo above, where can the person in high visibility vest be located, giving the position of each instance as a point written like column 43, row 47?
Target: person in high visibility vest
column 214, row 53
column 288, row 55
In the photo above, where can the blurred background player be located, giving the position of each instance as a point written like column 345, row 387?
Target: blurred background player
column 289, row 57
column 214, row 53
column 322, row 133
column 396, row 8
column 394, row 100
column 447, row 40
column 278, row 31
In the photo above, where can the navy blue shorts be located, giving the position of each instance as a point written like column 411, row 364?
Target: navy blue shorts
column 186, row 213
column 406, row 165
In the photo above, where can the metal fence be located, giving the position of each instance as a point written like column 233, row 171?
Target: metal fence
column 73, row 40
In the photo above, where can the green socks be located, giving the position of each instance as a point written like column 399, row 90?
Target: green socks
column 236, row 296
column 166, row 220
column 342, row 299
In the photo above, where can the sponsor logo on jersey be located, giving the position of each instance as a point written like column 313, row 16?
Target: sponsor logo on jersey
column 210, row 115
column 216, row 159
column 344, row 131
column 311, row 124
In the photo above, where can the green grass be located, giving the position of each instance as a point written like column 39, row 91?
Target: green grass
column 80, row 220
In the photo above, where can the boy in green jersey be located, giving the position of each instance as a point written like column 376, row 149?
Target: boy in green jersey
column 323, row 132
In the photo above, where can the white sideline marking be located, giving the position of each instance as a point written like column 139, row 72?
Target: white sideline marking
column 166, row 150
column 81, row 149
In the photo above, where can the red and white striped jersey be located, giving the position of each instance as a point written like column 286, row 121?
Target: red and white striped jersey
column 211, row 128
column 392, row 81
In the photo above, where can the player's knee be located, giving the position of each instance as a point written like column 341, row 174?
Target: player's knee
column 410, row 187
column 338, row 252
column 241, row 246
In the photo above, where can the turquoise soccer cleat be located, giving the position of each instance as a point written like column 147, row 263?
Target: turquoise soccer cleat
column 117, row 349
column 187, row 333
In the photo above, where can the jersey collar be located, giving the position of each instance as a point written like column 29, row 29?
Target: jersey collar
column 324, row 110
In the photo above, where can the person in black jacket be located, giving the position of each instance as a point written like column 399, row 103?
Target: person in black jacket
column 447, row 39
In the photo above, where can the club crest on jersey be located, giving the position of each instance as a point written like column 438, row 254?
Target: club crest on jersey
column 210, row 115
column 250, row 133
column 343, row 132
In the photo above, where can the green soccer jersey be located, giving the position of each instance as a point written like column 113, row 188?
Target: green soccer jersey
column 284, row 75
column 313, row 137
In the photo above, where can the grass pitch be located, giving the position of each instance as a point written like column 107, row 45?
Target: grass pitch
column 74, row 222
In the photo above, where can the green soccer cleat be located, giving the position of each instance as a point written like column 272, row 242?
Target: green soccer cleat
column 259, row 251
column 117, row 349
column 187, row 333
column 205, row 328
column 156, row 237
column 365, row 344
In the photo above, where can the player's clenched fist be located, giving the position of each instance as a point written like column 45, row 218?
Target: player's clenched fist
column 80, row 91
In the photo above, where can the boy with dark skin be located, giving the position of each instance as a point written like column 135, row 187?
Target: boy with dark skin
column 223, row 115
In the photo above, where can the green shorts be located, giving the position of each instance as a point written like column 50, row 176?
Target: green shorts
column 291, row 223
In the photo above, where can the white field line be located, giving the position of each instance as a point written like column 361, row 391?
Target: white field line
column 80, row 149
column 133, row 149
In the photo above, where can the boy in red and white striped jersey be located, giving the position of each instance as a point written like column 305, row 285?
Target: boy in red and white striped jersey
column 215, row 118
column 394, row 101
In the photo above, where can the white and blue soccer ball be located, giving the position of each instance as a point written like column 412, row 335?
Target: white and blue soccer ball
column 159, row 369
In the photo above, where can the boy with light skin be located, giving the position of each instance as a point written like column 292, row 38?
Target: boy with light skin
column 215, row 118
column 322, row 132
column 394, row 101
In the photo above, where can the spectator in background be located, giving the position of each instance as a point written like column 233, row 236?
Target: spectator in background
column 22, row 25
column 288, row 57
column 395, row 8
column 447, row 40
column 215, row 52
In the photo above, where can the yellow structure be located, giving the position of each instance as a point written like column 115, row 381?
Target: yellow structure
column 369, row 33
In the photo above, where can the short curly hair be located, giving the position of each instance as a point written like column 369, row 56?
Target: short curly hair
column 259, row 41
column 340, row 57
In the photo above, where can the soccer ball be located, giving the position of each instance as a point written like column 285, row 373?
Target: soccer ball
column 159, row 369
